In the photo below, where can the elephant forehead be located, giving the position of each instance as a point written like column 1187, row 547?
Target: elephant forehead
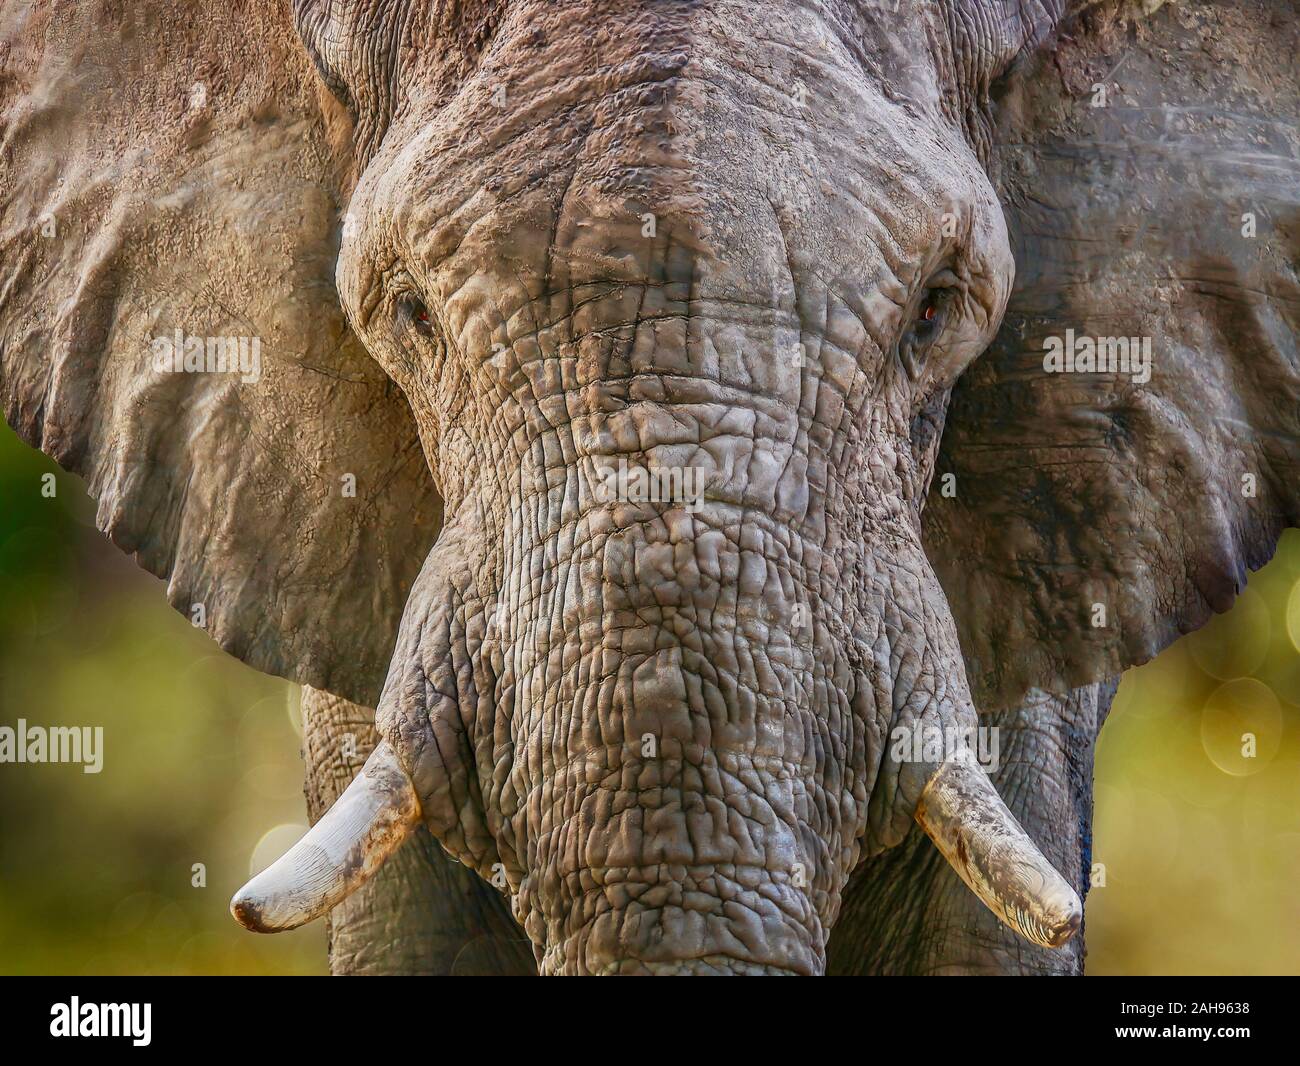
column 565, row 172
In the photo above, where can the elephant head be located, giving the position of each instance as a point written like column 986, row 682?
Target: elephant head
column 606, row 355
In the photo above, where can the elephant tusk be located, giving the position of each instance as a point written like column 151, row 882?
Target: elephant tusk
column 336, row 856
column 963, row 814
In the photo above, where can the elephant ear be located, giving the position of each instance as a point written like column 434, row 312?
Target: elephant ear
column 1150, row 173
column 174, row 171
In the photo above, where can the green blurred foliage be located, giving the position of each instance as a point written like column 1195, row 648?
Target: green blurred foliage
column 1200, row 845
column 200, row 760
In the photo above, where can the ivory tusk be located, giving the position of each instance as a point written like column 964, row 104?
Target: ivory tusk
column 963, row 814
column 338, row 854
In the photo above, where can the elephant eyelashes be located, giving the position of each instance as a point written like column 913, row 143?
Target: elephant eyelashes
column 925, row 326
column 411, row 313
column 926, row 323
column 930, row 315
column 938, row 307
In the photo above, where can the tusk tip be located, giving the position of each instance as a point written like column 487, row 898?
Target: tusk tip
column 248, row 913
column 251, row 911
column 349, row 843
column 1058, row 929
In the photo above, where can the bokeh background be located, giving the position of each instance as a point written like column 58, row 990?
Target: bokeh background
column 1198, row 847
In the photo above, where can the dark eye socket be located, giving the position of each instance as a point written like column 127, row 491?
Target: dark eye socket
column 929, row 315
column 412, row 313
column 926, row 324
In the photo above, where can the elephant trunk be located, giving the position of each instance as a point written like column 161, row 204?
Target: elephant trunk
column 672, row 723
column 667, row 804
column 660, row 718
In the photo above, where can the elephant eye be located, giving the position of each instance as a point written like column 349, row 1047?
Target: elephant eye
column 930, row 314
column 925, row 326
column 928, row 321
column 412, row 312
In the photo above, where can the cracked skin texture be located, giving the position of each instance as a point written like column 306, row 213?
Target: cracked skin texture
column 492, row 247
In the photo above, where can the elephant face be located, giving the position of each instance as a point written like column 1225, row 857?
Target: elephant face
column 635, row 328
column 670, row 713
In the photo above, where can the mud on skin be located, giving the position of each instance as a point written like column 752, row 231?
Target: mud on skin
column 809, row 252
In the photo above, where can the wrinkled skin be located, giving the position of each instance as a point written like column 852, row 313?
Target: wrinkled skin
column 758, row 242
column 904, row 912
column 628, row 622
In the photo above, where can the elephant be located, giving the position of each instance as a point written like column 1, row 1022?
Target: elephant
column 659, row 435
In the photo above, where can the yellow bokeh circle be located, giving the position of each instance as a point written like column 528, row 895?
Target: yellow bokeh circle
column 1241, row 726
column 1234, row 644
column 274, row 843
column 1293, row 616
